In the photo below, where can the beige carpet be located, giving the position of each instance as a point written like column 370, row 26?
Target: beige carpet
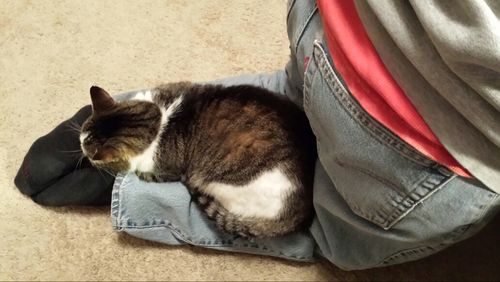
column 52, row 51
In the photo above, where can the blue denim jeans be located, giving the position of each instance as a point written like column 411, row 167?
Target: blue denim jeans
column 378, row 201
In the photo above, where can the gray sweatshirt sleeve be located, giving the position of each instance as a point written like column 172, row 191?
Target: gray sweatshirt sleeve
column 446, row 57
column 466, row 34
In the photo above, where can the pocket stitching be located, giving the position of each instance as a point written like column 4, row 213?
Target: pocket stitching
column 421, row 190
column 303, row 28
column 308, row 80
column 397, row 214
column 290, row 7
column 374, row 128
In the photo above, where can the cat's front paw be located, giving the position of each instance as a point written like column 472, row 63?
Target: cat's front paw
column 147, row 176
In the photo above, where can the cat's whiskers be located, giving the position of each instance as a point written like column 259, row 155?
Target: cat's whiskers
column 108, row 172
column 99, row 170
column 79, row 162
column 73, row 126
column 71, row 151
column 97, row 164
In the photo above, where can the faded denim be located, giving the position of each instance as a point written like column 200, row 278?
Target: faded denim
column 378, row 201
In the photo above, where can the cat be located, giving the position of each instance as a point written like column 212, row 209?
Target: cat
column 246, row 154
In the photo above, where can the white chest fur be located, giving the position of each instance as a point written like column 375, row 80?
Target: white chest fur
column 145, row 162
column 263, row 197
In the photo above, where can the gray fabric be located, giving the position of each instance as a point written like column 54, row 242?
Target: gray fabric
column 446, row 57
column 378, row 201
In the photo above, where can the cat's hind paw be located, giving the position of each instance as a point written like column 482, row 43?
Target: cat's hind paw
column 147, row 176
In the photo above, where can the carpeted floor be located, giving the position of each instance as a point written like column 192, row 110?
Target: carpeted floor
column 52, row 51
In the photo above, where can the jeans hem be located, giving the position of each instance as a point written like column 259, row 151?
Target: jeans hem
column 123, row 223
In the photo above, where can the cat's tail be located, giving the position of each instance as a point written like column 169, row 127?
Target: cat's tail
column 248, row 226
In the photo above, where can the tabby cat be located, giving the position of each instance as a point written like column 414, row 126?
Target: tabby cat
column 246, row 154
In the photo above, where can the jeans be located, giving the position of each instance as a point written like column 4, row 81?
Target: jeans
column 377, row 200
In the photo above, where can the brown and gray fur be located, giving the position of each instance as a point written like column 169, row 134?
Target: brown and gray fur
column 216, row 134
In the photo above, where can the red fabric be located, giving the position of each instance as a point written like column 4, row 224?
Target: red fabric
column 373, row 86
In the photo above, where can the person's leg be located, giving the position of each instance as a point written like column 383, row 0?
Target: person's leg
column 274, row 82
column 452, row 212
column 388, row 205
column 164, row 212
column 378, row 201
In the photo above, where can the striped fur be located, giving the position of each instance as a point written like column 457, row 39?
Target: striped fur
column 247, row 155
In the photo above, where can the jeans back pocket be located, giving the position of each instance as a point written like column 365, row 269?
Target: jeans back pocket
column 381, row 177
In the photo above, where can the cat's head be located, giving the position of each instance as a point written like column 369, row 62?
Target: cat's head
column 118, row 131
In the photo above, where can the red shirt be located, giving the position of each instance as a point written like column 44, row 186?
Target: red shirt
column 370, row 83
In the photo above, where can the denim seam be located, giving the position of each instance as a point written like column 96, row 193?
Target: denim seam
column 374, row 128
column 230, row 242
column 303, row 28
column 305, row 91
column 308, row 81
column 410, row 251
column 312, row 72
column 115, row 202
column 290, row 7
column 122, row 225
column 400, row 211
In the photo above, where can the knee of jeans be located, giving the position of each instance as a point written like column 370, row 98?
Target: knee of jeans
column 453, row 213
column 459, row 204
column 378, row 248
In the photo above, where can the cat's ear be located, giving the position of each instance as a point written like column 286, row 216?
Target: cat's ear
column 101, row 100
